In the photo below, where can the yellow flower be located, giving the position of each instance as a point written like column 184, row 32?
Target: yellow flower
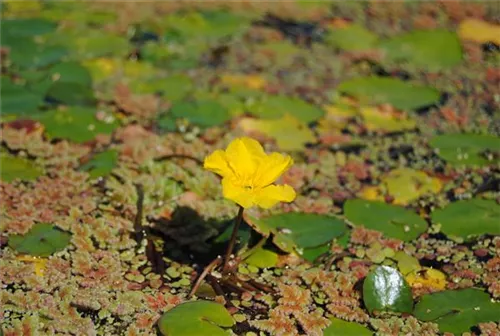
column 248, row 174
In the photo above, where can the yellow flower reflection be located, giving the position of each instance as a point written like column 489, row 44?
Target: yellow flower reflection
column 248, row 174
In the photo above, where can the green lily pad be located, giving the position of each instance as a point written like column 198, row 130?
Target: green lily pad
column 467, row 149
column 456, row 311
column 405, row 185
column 393, row 221
column 17, row 99
column 77, row 124
column 196, row 318
column 71, row 72
column 312, row 253
column 12, row 167
column 275, row 107
column 472, row 217
column 351, row 38
column 385, row 289
column 283, row 52
column 340, row 327
column 92, row 43
column 262, row 258
column 429, row 49
column 26, row 54
column 101, row 164
column 381, row 90
column 204, row 24
column 68, row 93
column 42, row 240
column 26, row 27
column 298, row 231
column 173, row 88
column 203, row 113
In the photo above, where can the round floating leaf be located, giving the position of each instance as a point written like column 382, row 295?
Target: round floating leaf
column 95, row 43
column 196, row 318
column 403, row 185
column 30, row 55
column 71, row 72
column 352, row 38
column 472, row 217
column 101, row 164
column 70, row 94
column 262, row 258
column 204, row 24
column 385, row 289
column 456, row 311
column 26, row 27
column 429, row 49
column 12, row 168
column 382, row 90
column 76, row 124
column 374, row 119
column 273, row 107
column 17, row 99
column 312, row 253
column 281, row 53
column 173, row 88
column 42, row 240
column 298, row 231
column 467, row 149
column 203, row 113
column 340, row 327
column 290, row 133
column 393, row 221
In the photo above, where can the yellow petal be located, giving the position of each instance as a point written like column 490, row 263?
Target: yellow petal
column 236, row 193
column 269, row 196
column 217, row 163
column 271, row 169
column 244, row 155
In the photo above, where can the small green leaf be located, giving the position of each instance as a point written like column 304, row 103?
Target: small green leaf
column 429, row 49
column 173, row 88
column 71, row 94
column 101, row 164
column 275, row 107
column 456, row 311
column 71, row 72
column 298, row 231
column 467, row 149
column 383, row 90
column 18, row 100
column 385, row 289
column 203, row 113
column 26, row 54
column 96, row 43
column 196, row 318
column 393, row 221
column 12, row 167
column 352, row 38
column 42, row 240
column 77, row 124
column 340, row 327
column 26, row 27
column 472, row 217
column 312, row 253
column 262, row 258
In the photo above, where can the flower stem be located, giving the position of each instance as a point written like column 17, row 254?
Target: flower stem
column 230, row 248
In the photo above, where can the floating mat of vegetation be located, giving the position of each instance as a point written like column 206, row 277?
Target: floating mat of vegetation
column 355, row 146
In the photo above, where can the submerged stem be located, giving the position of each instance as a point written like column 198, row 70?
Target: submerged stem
column 234, row 235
